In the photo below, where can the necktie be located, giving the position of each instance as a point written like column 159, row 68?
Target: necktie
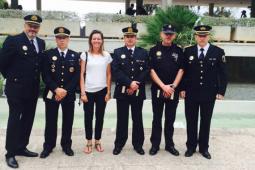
column 130, row 51
column 201, row 56
column 62, row 54
column 33, row 45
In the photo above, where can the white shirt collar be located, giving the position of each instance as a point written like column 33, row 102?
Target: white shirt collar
column 132, row 48
column 205, row 49
column 65, row 51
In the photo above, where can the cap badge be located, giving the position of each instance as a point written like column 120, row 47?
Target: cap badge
column 130, row 29
column 24, row 48
column 61, row 30
column 202, row 28
column 123, row 56
column 54, row 58
column 33, row 18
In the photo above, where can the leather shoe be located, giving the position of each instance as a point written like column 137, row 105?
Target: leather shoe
column 27, row 153
column 189, row 153
column 172, row 150
column 68, row 151
column 11, row 162
column 45, row 153
column 140, row 151
column 116, row 151
column 153, row 151
column 206, row 154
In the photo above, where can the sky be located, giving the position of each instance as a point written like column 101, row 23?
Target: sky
column 84, row 7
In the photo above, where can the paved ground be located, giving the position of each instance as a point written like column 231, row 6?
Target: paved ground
column 231, row 150
column 232, row 142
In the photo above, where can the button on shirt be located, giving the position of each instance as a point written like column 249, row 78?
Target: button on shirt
column 205, row 49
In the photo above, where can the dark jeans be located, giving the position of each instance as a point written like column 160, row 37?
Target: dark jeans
column 98, row 99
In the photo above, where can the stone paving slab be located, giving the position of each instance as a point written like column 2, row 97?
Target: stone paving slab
column 231, row 149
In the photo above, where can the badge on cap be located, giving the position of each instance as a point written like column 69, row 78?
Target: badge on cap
column 34, row 18
column 158, row 53
column 130, row 29
column 61, row 30
column 191, row 57
column 71, row 69
column 54, row 58
column 123, row 56
column 24, row 47
column 202, row 28
column 223, row 59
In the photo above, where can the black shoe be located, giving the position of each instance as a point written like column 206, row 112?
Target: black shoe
column 189, row 153
column 45, row 153
column 11, row 162
column 172, row 150
column 27, row 153
column 68, row 151
column 140, row 151
column 116, row 151
column 153, row 150
column 206, row 154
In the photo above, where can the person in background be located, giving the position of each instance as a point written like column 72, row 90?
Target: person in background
column 95, row 85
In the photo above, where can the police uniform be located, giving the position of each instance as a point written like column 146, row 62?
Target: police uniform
column 20, row 64
column 127, row 67
column 59, row 71
column 204, row 78
column 166, row 61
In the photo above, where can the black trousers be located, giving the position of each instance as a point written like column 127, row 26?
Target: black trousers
column 94, row 99
column 51, row 123
column 170, row 113
column 122, row 122
column 192, row 113
column 20, row 122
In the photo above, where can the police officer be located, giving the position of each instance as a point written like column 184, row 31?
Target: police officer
column 61, row 76
column 130, row 68
column 20, row 65
column 166, row 72
column 204, row 81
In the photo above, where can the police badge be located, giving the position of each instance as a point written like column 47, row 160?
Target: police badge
column 24, row 47
column 71, row 69
column 54, row 58
column 191, row 57
column 123, row 56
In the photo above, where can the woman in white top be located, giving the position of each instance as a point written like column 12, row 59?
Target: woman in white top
column 95, row 84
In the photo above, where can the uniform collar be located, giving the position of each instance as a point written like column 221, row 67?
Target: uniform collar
column 65, row 51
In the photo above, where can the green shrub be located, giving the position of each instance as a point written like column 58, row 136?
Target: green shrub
column 180, row 17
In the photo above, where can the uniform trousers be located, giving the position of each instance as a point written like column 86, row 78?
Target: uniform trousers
column 122, row 122
column 192, row 109
column 20, row 122
column 95, row 100
column 170, row 113
column 51, row 124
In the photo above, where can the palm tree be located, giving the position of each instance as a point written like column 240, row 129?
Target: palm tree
column 180, row 17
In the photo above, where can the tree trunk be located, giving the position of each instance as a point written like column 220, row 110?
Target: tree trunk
column 252, row 8
column 14, row 4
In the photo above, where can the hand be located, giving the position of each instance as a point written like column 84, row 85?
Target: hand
column 166, row 95
column 167, row 90
column 130, row 91
column 58, row 98
column 107, row 97
column 183, row 94
column 219, row 97
column 60, row 92
column 134, row 85
column 84, row 98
